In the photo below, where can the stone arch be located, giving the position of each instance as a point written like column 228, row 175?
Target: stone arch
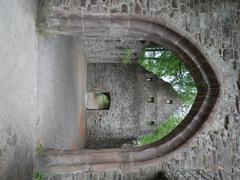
column 159, row 32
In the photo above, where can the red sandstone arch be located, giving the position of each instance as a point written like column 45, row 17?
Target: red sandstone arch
column 159, row 32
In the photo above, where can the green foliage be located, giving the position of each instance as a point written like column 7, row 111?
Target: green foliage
column 38, row 176
column 103, row 98
column 40, row 149
column 127, row 57
column 41, row 33
column 167, row 65
column 40, row 29
column 40, row 19
column 164, row 129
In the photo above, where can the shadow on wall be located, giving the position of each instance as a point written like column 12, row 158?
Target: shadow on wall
column 159, row 176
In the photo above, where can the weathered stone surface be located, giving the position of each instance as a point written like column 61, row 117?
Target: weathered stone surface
column 62, row 71
column 213, row 26
column 130, row 113
column 111, row 49
column 18, row 91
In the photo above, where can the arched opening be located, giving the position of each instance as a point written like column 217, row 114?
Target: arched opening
column 157, row 32
column 167, row 66
column 98, row 100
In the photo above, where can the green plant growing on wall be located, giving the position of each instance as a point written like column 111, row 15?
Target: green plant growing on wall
column 42, row 12
column 127, row 55
column 40, row 31
column 40, row 149
column 38, row 176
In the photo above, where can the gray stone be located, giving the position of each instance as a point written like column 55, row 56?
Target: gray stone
column 20, row 81
column 130, row 112
column 18, row 76
column 61, row 93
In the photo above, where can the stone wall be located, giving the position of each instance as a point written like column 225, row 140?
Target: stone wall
column 18, row 89
column 130, row 112
column 61, row 83
column 111, row 49
column 213, row 26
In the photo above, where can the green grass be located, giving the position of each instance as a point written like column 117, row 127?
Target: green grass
column 164, row 129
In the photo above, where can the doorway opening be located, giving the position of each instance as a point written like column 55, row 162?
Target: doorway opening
column 167, row 66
